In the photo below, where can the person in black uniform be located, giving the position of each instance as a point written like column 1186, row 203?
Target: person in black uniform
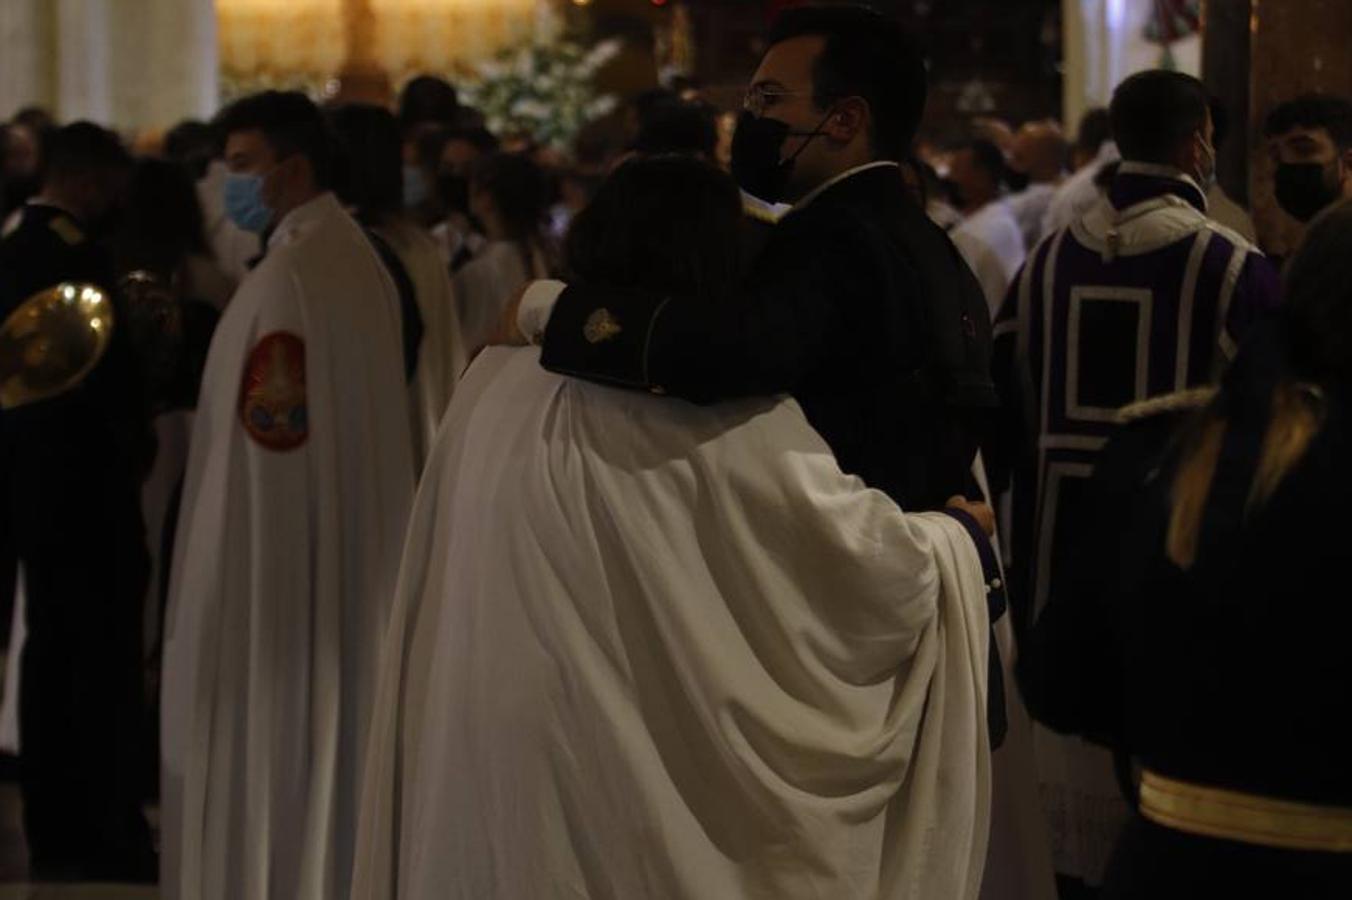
column 72, row 467
column 1205, row 636
column 857, row 304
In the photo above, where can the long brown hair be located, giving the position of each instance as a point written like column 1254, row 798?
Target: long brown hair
column 1317, row 322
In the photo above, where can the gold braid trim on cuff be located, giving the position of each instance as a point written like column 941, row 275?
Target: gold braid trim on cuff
column 1248, row 818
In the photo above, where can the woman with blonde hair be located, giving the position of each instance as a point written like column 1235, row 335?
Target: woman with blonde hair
column 1206, row 637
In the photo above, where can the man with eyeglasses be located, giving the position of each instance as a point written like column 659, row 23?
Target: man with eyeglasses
column 857, row 304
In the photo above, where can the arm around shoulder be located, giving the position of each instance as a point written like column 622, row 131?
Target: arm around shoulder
column 762, row 339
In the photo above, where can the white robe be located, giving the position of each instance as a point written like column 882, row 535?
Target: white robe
column 1029, row 207
column 992, row 244
column 647, row 650
column 1075, row 195
column 441, row 355
column 282, row 578
column 1018, row 855
column 487, row 284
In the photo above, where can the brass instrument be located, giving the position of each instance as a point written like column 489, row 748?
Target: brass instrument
column 51, row 341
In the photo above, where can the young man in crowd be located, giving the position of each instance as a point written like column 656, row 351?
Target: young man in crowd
column 298, row 487
column 1142, row 296
column 1310, row 142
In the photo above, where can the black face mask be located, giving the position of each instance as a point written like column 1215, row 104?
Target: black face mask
column 1303, row 189
column 756, row 146
column 455, row 192
column 1017, row 181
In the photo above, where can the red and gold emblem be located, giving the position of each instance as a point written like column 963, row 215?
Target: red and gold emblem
column 272, row 399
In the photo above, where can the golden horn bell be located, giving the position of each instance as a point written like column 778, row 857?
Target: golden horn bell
column 51, row 341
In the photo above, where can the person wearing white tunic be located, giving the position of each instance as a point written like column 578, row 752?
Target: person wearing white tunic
column 371, row 186
column 441, row 357
column 1078, row 193
column 507, row 194
column 299, row 482
column 651, row 650
column 988, row 237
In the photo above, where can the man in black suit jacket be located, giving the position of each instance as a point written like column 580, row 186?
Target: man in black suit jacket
column 857, row 305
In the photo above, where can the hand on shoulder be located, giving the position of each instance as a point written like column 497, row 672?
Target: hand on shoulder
column 982, row 512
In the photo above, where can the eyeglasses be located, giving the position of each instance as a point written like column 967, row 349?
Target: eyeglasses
column 759, row 98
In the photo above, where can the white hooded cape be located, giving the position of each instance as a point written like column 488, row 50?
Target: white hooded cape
column 992, row 244
column 441, row 355
column 283, row 572
column 647, row 650
column 487, row 285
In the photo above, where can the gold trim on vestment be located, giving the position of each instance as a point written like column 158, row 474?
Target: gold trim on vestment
column 1248, row 818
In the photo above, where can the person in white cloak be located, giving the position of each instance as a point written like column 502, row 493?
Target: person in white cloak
column 988, row 237
column 507, row 194
column 646, row 649
column 1079, row 192
column 371, row 186
column 300, row 478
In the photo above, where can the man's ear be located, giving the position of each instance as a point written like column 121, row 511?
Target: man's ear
column 850, row 117
column 1195, row 152
column 1345, row 157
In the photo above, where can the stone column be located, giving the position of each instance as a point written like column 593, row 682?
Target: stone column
column 1296, row 46
column 1225, row 70
column 27, row 48
column 128, row 65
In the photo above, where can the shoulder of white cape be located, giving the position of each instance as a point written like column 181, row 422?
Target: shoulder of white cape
column 273, row 405
column 1179, row 401
column 1148, row 226
column 408, row 238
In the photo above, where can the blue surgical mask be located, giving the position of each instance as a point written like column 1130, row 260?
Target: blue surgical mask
column 417, row 187
column 244, row 202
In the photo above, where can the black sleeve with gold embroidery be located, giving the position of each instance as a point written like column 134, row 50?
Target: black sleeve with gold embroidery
column 602, row 334
column 761, row 340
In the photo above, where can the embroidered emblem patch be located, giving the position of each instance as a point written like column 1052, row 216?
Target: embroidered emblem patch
column 601, row 326
column 272, row 403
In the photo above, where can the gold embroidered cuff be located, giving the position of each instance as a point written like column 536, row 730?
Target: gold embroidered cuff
column 1251, row 819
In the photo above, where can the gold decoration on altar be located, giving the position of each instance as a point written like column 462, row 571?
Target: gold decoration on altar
column 307, row 44
column 287, row 42
column 447, row 36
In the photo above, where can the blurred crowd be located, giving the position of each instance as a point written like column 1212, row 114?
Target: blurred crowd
column 463, row 221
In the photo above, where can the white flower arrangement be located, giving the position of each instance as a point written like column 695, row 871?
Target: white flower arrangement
column 543, row 89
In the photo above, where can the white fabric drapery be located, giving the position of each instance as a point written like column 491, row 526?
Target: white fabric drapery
column 644, row 649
